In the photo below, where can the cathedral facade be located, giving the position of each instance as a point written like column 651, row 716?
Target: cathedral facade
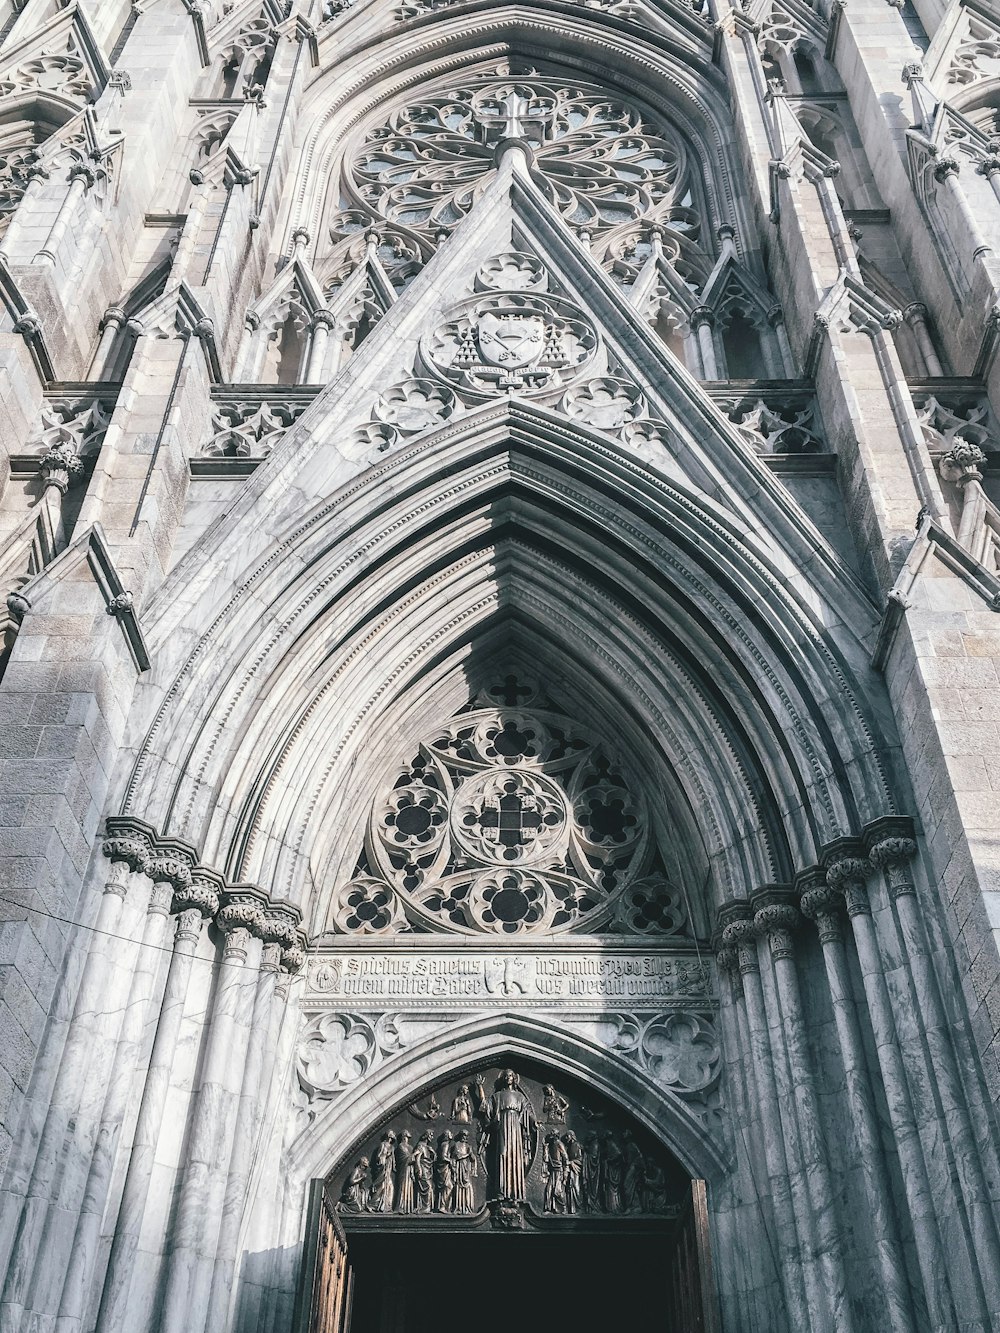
column 499, row 752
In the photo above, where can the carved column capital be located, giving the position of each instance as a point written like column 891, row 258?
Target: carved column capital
column 741, row 938
column 199, row 894
column 61, row 467
column 190, row 923
column 702, row 314
column 850, row 874
column 893, row 855
column 946, row 168
column 240, row 919
column 82, row 171
column 824, row 906
column 776, row 922
column 962, row 463
column 113, row 317
column 132, row 852
column 270, row 957
column 170, row 870
column 292, row 959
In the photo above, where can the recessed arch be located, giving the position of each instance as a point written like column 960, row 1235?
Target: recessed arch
column 403, row 579
column 495, row 1036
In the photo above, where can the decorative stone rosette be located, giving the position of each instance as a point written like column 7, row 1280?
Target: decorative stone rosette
column 510, row 341
column 507, row 822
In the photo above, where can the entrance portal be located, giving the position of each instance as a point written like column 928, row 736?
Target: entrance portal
column 489, row 1283
column 508, row 1200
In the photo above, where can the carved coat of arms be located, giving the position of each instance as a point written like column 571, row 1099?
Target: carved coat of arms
column 512, row 341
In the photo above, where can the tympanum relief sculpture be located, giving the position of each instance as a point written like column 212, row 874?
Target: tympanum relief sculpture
column 505, row 1148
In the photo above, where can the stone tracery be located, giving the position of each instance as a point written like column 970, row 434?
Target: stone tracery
column 602, row 164
column 510, row 821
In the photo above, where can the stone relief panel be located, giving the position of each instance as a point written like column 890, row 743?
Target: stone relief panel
column 509, row 1147
column 509, row 821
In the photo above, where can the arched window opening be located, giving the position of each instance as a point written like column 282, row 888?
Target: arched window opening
column 402, row 173
column 23, row 130
column 286, row 346
column 805, row 71
column 741, row 344
column 229, row 77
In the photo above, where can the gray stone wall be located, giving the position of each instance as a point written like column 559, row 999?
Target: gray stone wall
column 273, row 507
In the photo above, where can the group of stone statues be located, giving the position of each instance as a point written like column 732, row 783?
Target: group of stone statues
column 408, row 1177
column 607, row 1173
column 429, row 1172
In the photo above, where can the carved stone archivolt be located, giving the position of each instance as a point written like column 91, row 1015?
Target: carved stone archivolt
column 509, row 821
column 512, row 1148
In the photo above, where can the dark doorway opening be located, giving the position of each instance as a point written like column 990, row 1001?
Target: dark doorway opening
column 490, row 1283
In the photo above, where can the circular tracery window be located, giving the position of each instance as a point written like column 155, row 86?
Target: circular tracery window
column 507, row 820
column 603, row 164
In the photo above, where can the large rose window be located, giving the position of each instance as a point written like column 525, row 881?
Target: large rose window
column 509, row 821
column 603, row 165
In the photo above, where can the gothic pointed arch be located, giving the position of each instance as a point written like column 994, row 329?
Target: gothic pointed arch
column 486, row 565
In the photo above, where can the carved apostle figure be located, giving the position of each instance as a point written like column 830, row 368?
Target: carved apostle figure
column 554, row 1106
column 354, row 1195
column 574, row 1172
column 405, row 1197
column 613, row 1171
column 593, row 1184
column 466, row 1168
column 422, row 1169
column 444, row 1175
column 509, row 1133
column 383, row 1190
column 461, row 1107
column 634, row 1175
column 556, row 1162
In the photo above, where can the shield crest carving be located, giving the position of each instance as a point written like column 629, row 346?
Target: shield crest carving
column 510, row 340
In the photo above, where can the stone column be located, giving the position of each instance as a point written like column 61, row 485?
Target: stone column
column 703, row 321
column 114, row 319
column 169, row 875
column 824, row 906
column 915, row 315
column 775, row 918
column 788, row 1269
column 128, row 856
column 81, row 178
column 776, row 319
column 893, row 855
column 194, row 1229
column 797, row 1267
column 990, row 168
column 848, row 874
column 195, row 904
column 322, row 322
column 267, row 1014
column 946, row 174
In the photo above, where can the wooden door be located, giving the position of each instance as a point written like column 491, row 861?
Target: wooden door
column 323, row 1301
column 693, row 1306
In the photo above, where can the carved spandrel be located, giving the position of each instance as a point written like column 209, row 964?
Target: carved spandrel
column 509, row 1150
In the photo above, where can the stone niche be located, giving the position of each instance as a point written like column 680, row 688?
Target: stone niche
column 509, row 1147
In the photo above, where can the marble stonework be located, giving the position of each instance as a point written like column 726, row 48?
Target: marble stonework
column 499, row 531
